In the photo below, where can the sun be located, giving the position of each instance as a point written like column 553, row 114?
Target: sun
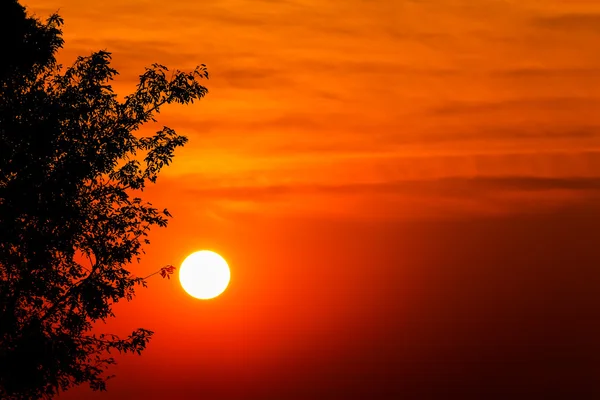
column 204, row 274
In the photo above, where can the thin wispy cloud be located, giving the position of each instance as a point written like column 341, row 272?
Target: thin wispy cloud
column 572, row 22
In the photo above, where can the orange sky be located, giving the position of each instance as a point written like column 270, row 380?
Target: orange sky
column 406, row 190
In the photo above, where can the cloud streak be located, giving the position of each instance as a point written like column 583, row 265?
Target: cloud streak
column 455, row 187
column 570, row 23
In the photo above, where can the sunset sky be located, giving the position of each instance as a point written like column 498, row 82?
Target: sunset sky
column 407, row 193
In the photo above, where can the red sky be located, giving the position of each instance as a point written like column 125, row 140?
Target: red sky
column 407, row 192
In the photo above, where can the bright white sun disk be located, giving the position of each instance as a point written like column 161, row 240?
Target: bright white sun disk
column 204, row 274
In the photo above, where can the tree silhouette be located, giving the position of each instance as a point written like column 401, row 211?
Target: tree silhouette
column 71, row 220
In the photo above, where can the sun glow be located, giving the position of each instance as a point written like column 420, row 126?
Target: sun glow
column 204, row 274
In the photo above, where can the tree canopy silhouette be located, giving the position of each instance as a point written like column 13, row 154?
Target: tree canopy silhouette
column 72, row 167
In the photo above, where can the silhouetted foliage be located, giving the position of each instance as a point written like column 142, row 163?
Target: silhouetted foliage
column 71, row 221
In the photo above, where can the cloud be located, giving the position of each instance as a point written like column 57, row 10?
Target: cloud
column 557, row 103
column 547, row 72
column 453, row 187
column 588, row 22
column 253, row 77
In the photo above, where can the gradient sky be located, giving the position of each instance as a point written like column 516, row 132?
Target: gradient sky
column 407, row 192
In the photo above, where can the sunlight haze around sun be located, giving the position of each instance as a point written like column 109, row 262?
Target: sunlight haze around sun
column 204, row 274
